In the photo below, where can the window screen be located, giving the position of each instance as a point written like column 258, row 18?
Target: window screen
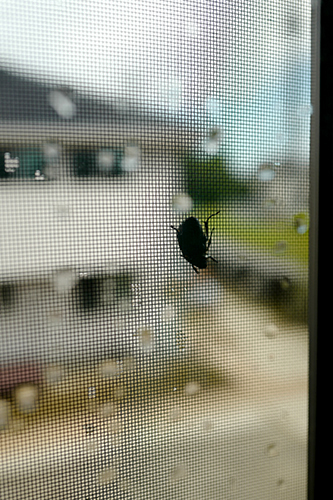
column 154, row 179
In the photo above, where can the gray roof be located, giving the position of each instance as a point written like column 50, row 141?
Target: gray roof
column 25, row 99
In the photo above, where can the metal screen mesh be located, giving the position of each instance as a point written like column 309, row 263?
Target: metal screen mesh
column 146, row 355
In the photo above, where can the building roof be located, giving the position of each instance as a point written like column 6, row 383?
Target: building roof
column 32, row 110
column 26, row 99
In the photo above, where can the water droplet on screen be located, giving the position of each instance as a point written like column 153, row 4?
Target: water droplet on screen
column 110, row 368
column 114, row 426
column 26, row 397
column 280, row 247
column 168, row 313
column 285, row 284
column 51, row 153
column 271, row 331
column 105, row 161
column 281, row 138
column 305, row 110
column 175, row 413
column 213, row 142
column 269, row 203
column 64, row 281
column 55, row 318
column 207, row 425
column 301, row 222
column 108, row 409
column 107, row 476
column 182, row 203
column 280, row 483
column 91, row 446
column 272, row 450
column 180, row 472
column 62, row 104
column 204, row 293
column 4, row 413
column 54, row 374
column 192, row 388
column 131, row 159
column 147, row 339
column 266, row 173
column 191, row 28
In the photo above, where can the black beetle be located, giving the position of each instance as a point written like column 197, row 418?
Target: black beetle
column 193, row 241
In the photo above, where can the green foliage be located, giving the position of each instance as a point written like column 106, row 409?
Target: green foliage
column 209, row 179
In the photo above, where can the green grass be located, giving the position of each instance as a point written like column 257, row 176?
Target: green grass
column 277, row 237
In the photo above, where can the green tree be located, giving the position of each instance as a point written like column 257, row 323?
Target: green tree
column 208, row 179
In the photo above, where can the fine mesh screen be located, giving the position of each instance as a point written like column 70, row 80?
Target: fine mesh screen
column 126, row 370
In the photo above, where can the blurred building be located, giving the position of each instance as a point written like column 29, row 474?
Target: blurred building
column 85, row 191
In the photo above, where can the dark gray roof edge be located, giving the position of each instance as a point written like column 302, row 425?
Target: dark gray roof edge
column 26, row 99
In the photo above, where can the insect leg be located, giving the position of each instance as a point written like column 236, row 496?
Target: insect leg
column 210, row 239
column 210, row 257
column 206, row 222
column 195, row 269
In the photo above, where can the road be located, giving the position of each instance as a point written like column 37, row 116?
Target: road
column 246, row 439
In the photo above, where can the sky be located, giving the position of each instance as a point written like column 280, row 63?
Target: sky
column 241, row 66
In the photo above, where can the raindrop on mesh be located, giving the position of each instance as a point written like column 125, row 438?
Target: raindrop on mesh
column 301, row 223
column 266, row 174
column 281, row 138
column 305, row 110
column 285, row 284
column 110, row 368
column 269, row 204
column 272, row 450
column 280, row 483
column 147, row 339
column 191, row 28
column 105, row 161
column 168, row 313
column 192, row 388
column 108, row 409
column 175, row 413
column 131, row 159
column 114, row 426
column 271, row 331
column 91, row 446
column 26, row 397
column 280, row 247
column 213, row 142
column 207, row 425
column 51, row 152
column 182, row 202
column 62, row 104
column 64, row 281
column 180, row 472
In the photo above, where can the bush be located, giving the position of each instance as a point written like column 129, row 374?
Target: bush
column 209, row 179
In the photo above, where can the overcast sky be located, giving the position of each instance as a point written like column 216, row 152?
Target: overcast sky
column 190, row 58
